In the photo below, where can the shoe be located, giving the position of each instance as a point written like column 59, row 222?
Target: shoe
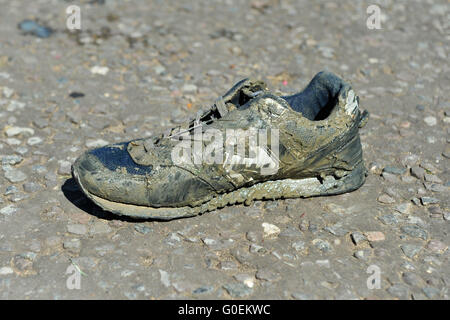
column 302, row 145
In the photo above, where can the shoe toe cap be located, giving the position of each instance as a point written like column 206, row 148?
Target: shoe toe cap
column 110, row 173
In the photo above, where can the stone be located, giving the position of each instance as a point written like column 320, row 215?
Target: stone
column 358, row 237
column 412, row 279
column 337, row 230
column 4, row 271
column 404, row 208
column 410, row 250
column 270, row 230
column 31, row 187
column 430, row 121
column 384, row 198
column 322, row 245
column 375, row 236
column 246, row 279
column 14, row 131
column 298, row 246
column 65, row 168
column 436, row 246
column 79, row 229
column 142, row 229
column 11, row 160
column 394, row 170
column 99, row 228
column 428, row 200
column 15, row 175
column 388, row 219
column 8, row 210
column 267, row 275
column 417, row 172
column 72, row 245
column 432, row 178
column 34, row 140
column 238, row 290
column 414, row 231
column 99, row 70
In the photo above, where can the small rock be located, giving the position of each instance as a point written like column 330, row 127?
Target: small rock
column 14, row 131
column 65, row 168
column 412, row 279
column 8, row 210
column 428, row 200
column 34, row 28
column 270, row 230
column 11, row 160
column 267, row 275
column 5, row 271
column 246, row 279
column 437, row 246
column 414, row 231
column 417, row 172
column 252, row 236
column 15, row 175
column 322, row 245
column 410, row 250
column 299, row 245
column 394, row 170
column 358, row 237
column 238, row 290
column 34, row 140
column 99, row 70
column 384, row 198
column 79, row 229
column 165, row 279
column 142, row 229
column 31, row 187
column 337, row 230
column 72, row 245
column 375, row 236
column 99, row 228
column 404, row 208
column 430, row 121
column 389, row 219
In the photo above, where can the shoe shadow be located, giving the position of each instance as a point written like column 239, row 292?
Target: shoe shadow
column 73, row 193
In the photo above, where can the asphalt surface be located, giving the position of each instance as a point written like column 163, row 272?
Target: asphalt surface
column 138, row 67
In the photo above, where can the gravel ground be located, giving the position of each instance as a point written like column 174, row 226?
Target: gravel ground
column 137, row 67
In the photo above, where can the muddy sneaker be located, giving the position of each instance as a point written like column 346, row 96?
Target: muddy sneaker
column 250, row 145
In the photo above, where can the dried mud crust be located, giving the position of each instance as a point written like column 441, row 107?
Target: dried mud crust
column 278, row 189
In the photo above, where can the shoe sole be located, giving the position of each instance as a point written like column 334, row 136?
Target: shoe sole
column 269, row 190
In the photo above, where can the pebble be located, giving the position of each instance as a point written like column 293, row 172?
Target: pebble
column 6, row 270
column 189, row 88
column 362, row 254
column 79, row 229
column 238, row 290
column 267, row 275
column 337, row 230
column 246, row 279
column 375, row 236
column 428, row 200
column 72, row 245
column 298, row 245
column 417, row 172
column 436, row 246
column 11, row 160
column 252, row 236
column 410, row 250
column 65, row 168
column 99, row 70
column 34, row 140
column 322, row 245
column 384, row 198
column 432, row 178
column 389, row 219
column 358, row 237
column 99, row 228
column 394, row 170
column 14, row 131
column 142, row 229
column 414, row 231
column 15, row 175
column 270, row 230
column 34, row 28
column 430, row 121
column 8, row 210
column 404, row 208
column 412, row 279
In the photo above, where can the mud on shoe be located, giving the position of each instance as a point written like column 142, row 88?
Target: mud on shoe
column 251, row 144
